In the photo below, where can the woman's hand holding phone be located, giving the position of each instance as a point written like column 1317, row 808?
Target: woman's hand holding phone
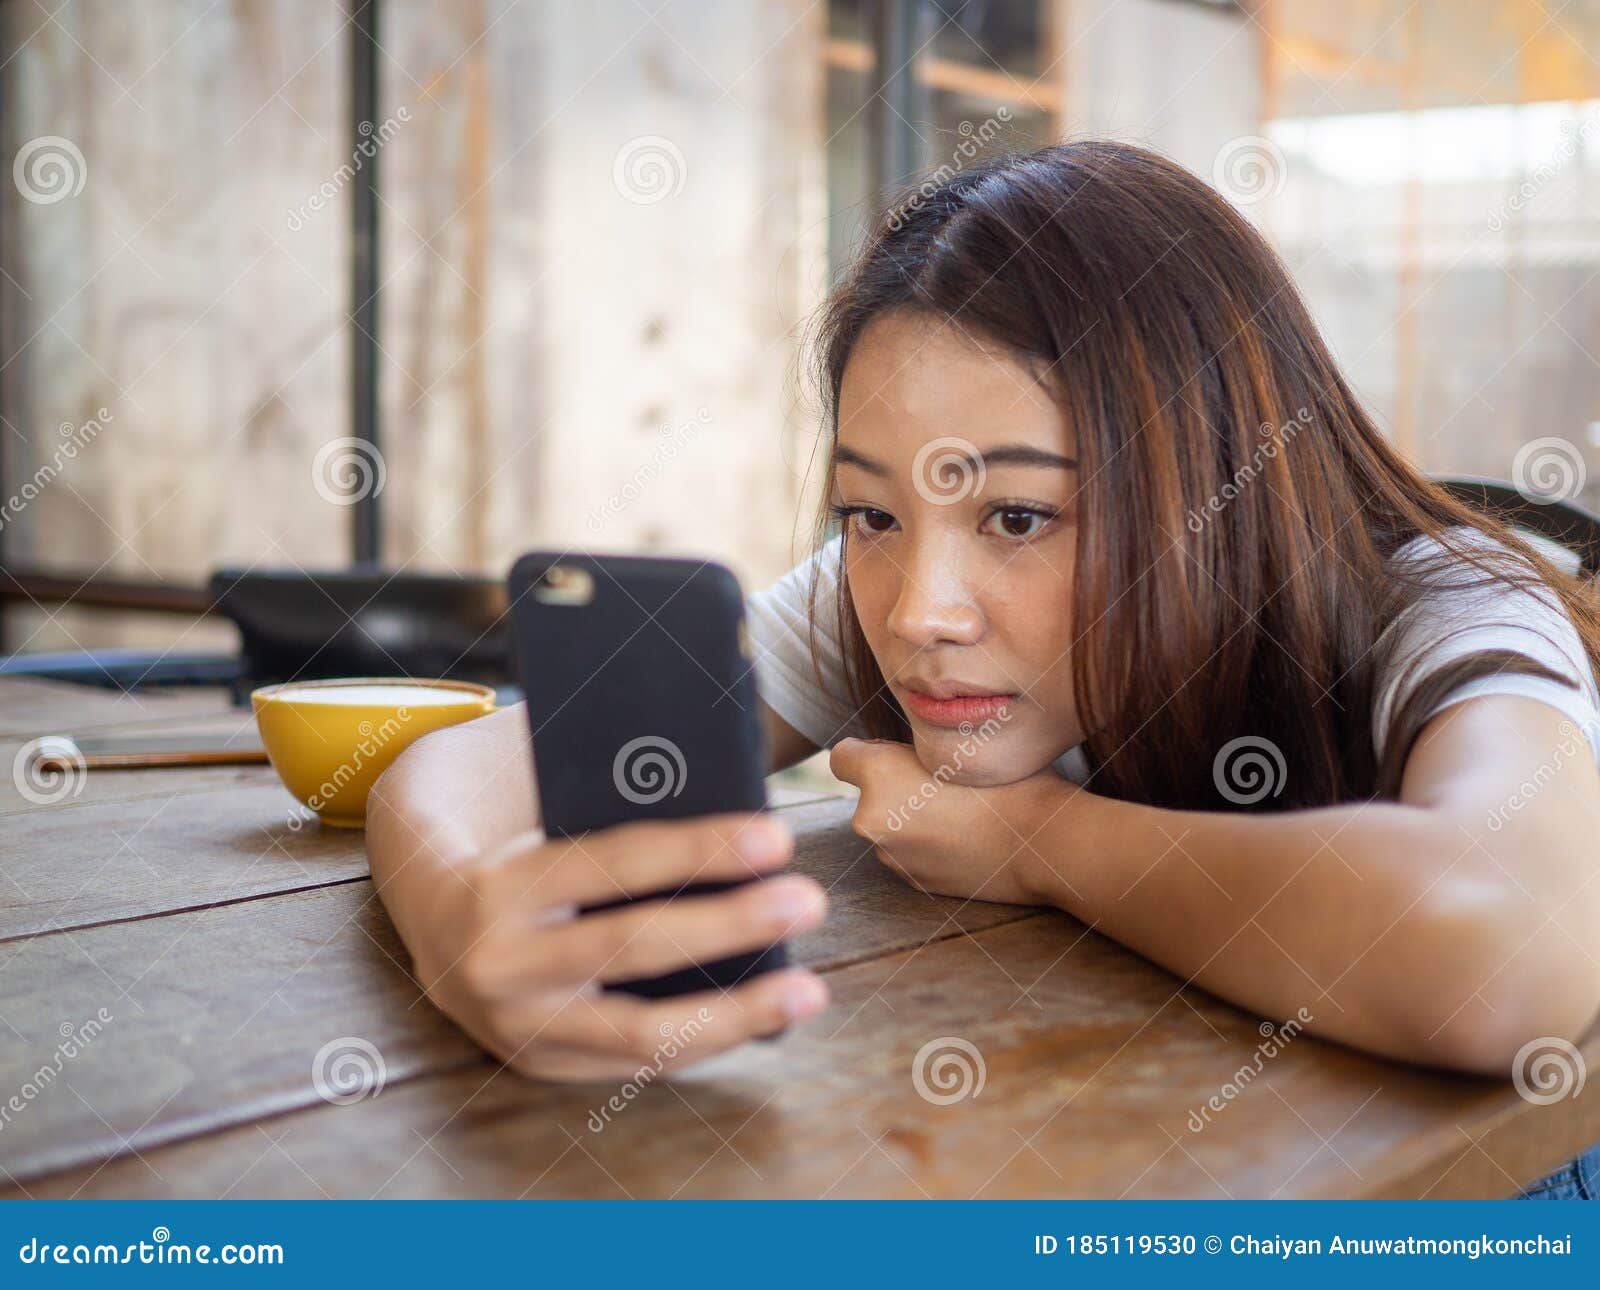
column 639, row 755
column 501, row 947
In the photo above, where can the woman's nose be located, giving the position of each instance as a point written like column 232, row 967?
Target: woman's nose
column 934, row 606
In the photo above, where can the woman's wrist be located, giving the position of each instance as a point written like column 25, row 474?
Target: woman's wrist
column 1058, row 827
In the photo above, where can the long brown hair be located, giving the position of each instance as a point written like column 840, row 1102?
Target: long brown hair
column 1237, row 508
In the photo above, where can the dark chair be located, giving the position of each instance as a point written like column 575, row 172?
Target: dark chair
column 313, row 625
column 125, row 669
column 1566, row 523
column 292, row 625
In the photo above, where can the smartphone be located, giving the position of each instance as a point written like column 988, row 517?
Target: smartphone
column 642, row 705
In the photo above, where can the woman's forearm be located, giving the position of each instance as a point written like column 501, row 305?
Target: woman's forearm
column 458, row 793
column 1386, row 924
column 448, row 798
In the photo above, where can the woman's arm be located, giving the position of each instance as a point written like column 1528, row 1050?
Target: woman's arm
column 487, row 907
column 1448, row 928
column 468, row 788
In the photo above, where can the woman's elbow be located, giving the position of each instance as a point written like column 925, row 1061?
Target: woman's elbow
column 1536, row 999
column 1531, row 1046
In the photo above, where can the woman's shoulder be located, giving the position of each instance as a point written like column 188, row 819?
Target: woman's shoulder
column 1465, row 576
column 1467, row 592
column 819, row 565
column 1459, row 556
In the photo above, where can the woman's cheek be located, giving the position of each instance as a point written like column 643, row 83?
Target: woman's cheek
column 872, row 594
column 1055, row 703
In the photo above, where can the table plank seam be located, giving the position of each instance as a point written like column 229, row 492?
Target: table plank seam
column 198, row 790
column 186, row 909
column 179, row 1131
column 892, row 950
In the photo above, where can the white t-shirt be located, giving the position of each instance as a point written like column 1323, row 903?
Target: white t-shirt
column 1454, row 618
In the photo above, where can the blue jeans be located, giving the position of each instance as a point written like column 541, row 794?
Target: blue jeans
column 1578, row 1179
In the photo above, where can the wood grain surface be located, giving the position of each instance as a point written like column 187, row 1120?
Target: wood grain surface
column 1091, row 1060
column 199, row 959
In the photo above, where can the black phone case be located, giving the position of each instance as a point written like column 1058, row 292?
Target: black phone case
column 642, row 705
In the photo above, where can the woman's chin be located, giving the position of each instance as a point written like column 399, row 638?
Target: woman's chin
column 953, row 757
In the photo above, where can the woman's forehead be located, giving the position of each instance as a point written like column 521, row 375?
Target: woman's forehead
column 911, row 378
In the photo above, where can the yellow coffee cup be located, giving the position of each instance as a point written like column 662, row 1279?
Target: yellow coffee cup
column 330, row 740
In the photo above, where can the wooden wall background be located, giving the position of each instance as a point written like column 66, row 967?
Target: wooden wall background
column 550, row 345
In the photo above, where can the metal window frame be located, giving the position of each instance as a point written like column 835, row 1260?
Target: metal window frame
column 897, row 30
column 366, row 532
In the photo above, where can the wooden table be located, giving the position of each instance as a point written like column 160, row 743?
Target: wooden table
column 229, row 945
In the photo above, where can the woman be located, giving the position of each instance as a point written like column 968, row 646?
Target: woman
column 1133, row 611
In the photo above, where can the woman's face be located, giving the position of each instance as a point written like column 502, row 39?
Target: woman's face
column 955, row 482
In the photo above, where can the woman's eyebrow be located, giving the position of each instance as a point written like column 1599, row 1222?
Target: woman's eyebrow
column 1018, row 454
column 1015, row 454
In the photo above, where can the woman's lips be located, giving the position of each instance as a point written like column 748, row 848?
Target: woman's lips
column 964, row 708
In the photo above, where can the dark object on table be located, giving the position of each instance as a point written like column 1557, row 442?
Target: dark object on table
column 293, row 625
column 309, row 626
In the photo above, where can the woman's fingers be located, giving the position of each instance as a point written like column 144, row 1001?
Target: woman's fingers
column 659, row 936
column 650, row 937
column 666, row 1033
column 636, row 859
column 527, row 980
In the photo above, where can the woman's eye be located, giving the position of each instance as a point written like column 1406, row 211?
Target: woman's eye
column 871, row 521
column 868, row 521
column 1016, row 522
